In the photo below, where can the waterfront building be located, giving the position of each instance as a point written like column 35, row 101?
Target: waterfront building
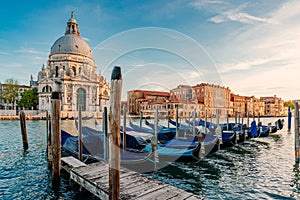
column 262, row 107
column 238, row 105
column 71, row 69
column 253, row 106
column 182, row 94
column 274, row 106
column 183, row 97
column 213, row 97
column 138, row 100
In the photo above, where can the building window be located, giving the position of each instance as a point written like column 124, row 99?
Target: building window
column 56, row 71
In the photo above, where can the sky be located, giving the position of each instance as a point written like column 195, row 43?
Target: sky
column 251, row 46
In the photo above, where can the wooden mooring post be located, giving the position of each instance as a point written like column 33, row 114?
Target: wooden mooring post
column 289, row 119
column 80, row 132
column 177, row 126
column 141, row 119
column 47, row 132
column 124, row 127
column 205, row 121
column 114, row 133
column 248, row 120
column 235, row 117
column 297, row 153
column 56, row 137
column 105, row 131
column 23, row 130
column 189, row 119
column 218, row 131
column 227, row 121
column 194, row 122
column 154, row 144
column 242, row 118
column 49, row 146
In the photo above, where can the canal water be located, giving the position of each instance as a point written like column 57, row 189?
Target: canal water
column 261, row 168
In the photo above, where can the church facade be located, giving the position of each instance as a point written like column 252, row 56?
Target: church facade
column 71, row 69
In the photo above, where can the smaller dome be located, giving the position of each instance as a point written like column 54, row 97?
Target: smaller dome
column 72, row 20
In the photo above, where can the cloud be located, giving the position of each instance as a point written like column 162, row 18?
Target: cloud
column 4, row 53
column 238, row 15
column 203, row 3
column 250, row 64
column 11, row 65
column 263, row 56
column 31, row 51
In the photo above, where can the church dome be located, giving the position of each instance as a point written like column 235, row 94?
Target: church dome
column 71, row 42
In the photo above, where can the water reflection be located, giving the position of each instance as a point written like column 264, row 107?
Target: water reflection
column 295, row 183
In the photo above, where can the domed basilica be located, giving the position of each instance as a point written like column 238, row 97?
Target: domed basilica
column 71, row 69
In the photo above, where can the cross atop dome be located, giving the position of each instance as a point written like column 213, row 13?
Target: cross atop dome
column 72, row 26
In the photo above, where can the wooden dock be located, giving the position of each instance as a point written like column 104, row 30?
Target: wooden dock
column 94, row 178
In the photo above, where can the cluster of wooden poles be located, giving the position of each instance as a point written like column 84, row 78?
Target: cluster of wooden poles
column 53, row 131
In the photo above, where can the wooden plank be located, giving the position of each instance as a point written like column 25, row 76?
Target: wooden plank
column 138, row 194
column 68, row 163
column 87, row 169
column 91, row 187
column 169, row 192
column 95, row 178
column 163, row 193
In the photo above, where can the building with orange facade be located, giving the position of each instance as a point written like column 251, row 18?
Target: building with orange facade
column 213, row 97
column 202, row 97
column 238, row 105
column 274, row 106
column 138, row 100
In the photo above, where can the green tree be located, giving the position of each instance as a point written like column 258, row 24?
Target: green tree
column 289, row 103
column 10, row 91
column 29, row 99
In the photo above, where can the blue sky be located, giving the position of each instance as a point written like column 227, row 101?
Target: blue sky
column 250, row 46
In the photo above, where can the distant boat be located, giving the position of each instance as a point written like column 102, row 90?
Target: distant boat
column 164, row 135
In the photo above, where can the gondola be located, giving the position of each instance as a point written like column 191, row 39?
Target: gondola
column 164, row 135
column 136, row 159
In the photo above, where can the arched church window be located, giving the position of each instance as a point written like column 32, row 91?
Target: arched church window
column 47, row 88
column 56, row 71
column 79, row 71
column 74, row 70
column 73, row 28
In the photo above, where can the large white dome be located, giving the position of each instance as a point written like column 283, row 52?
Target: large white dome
column 71, row 43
